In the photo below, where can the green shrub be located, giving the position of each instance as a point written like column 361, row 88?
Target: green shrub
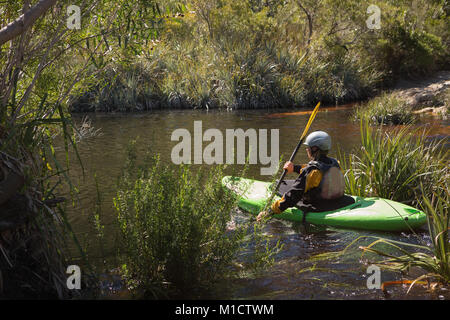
column 121, row 89
column 410, row 52
column 176, row 240
column 386, row 109
column 249, row 54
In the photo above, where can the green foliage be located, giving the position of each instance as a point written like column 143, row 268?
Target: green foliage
column 141, row 55
column 408, row 52
column 433, row 259
column 386, row 109
column 38, row 70
column 402, row 165
column 233, row 62
column 128, row 88
column 175, row 230
column 399, row 164
column 261, row 54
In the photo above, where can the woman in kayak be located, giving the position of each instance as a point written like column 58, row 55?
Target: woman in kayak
column 320, row 184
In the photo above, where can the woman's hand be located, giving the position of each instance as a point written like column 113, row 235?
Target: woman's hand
column 262, row 215
column 289, row 167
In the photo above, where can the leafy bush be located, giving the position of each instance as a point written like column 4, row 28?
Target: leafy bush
column 263, row 54
column 409, row 52
column 386, row 109
column 176, row 240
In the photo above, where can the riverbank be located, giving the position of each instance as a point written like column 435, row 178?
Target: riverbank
column 429, row 95
column 409, row 99
column 228, row 55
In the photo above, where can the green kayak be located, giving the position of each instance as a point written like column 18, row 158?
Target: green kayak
column 364, row 213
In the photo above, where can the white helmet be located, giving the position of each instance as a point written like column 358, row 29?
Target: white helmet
column 319, row 139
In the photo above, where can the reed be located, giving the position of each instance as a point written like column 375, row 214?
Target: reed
column 433, row 259
column 398, row 164
column 35, row 233
column 402, row 165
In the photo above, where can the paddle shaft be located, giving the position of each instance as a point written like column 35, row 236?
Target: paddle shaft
column 291, row 159
column 285, row 171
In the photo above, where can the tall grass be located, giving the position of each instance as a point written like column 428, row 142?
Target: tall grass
column 176, row 239
column 398, row 164
column 233, row 57
column 249, row 54
column 34, row 230
column 386, row 109
column 242, row 75
column 402, row 165
column 433, row 259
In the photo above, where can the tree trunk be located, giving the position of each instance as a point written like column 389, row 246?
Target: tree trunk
column 26, row 20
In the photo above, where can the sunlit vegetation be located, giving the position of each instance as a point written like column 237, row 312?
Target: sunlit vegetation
column 398, row 164
column 386, row 109
column 204, row 54
column 259, row 54
column 177, row 235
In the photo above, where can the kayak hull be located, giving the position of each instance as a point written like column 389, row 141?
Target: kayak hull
column 370, row 213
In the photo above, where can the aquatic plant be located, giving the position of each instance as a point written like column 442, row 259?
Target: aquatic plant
column 402, row 165
column 35, row 80
column 175, row 234
column 386, row 109
column 399, row 164
column 433, row 259
column 34, row 230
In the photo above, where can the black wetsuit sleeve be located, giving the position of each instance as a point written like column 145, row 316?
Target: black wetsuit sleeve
column 294, row 194
column 297, row 168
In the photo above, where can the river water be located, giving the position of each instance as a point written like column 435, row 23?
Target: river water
column 294, row 275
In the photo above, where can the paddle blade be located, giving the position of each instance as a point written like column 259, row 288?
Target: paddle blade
column 310, row 121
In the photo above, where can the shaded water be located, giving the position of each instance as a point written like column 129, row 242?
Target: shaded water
column 293, row 276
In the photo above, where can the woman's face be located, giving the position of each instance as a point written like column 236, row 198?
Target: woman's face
column 309, row 153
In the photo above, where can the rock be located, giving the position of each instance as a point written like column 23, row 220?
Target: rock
column 424, row 110
column 442, row 110
column 423, row 93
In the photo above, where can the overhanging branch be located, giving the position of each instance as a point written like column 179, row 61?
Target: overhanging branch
column 26, row 20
